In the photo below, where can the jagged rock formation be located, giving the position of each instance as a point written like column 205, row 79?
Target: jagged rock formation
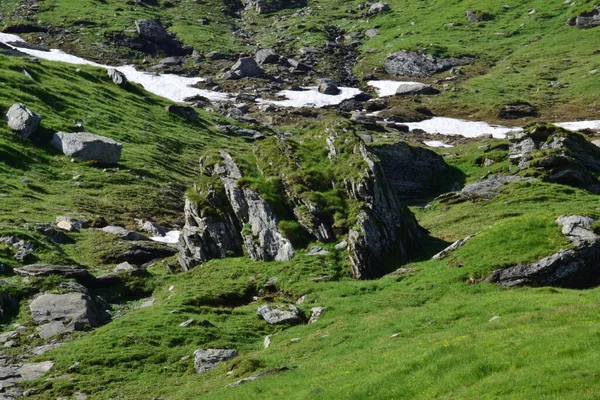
column 246, row 221
column 576, row 268
column 557, row 155
column 413, row 172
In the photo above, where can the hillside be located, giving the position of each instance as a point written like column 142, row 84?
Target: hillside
column 228, row 232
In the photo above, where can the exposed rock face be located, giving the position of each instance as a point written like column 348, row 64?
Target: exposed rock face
column 404, row 63
column 76, row 308
column 488, row 188
column 208, row 359
column 384, row 229
column 560, row 156
column 411, row 89
column 247, row 221
column 413, row 172
column 315, row 314
column 81, row 275
column 577, row 268
column 87, row 146
column 22, row 120
column 117, row 77
column 10, row 374
column 281, row 314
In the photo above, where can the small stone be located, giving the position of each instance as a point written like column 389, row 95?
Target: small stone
column 295, row 340
column 395, row 335
column 267, row 341
column 187, row 323
column 495, row 317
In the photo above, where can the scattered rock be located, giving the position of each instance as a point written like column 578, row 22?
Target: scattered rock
column 81, row 275
column 187, row 323
column 151, row 228
column 586, row 20
column 186, row 112
column 517, row 110
column 412, row 89
column 85, row 146
column 151, row 30
column 138, row 253
column 281, row 314
column 54, row 328
column 124, row 234
column 329, row 87
column 246, row 67
column 266, row 56
column 22, row 120
column 377, row 8
column 454, row 246
column 316, row 313
column 117, row 77
column 341, row 245
column 404, row 63
column 257, row 376
column 208, row 359
column 71, row 224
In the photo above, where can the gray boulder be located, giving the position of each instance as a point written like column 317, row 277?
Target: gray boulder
column 139, row 253
column 124, row 234
column 487, row 189
column 517, row 110
column 315, row 314
column 85, row 146
column 117, row 77
column 246, row 67
column 377, row 8
column 22, row 120
column 151, row 228
column 266, row 56
column 281, row 314
column 71, row 224
column 11, row 374
column 329, row 87
column 405, row 63
column 151, row 30
column 586, row 20
column 208, row 359
column 54, row 328
column 411, row 89
column 413, row 172
column 70, row 308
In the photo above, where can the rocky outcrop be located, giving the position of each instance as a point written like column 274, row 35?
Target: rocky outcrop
column 231, row 219
column 556, row 155
column 413, row 172
column 245, row 67
column 117, row 77
column 586, row 20
column 139, row 253
column 377, row 8
column 208, row 359
column 11, row 374
column 22, row 120
column 280, row 314
column 404, row 63
column 576, row 268
column 85, row 146
column 81, row 275
column 489, row 188
column 384, row 230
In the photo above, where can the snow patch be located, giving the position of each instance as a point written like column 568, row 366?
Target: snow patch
column 171, row 237
column 461, row 127
column 9, row 37
column 310, row 97
column 437, row 143
column 579, row 125
column 388, row 88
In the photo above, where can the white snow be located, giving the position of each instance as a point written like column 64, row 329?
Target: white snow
column 171, row 237
column 388, row 88
column 437, row 143
column 461, row 127
column 8, row 37
column 576, row 126
column 310, row 97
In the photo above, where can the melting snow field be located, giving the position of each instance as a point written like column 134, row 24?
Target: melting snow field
column 388, row 88
column 312, row 98
column 437, row 143
column 171, row 237
column 177, row 88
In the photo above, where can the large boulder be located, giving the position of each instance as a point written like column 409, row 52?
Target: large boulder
column 85, row 146
column 586, row 20
column 329, row 87
column 151, row 30
column 69, row 308
column 266, row 56
column 208, row 359
column 416, row 64
column 246, row 67
column 22, row 120
column 413, row 172
column 377, row 8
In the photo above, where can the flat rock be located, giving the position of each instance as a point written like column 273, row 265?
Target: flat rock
column 404, row 63
column 266, row 56
column 415, row 89
column 85, row 146
column 69, row 307
column 81, row 275
column 246, row 67
column 124, row 234
column 208, row 359
column 22, row 120
column 53, row 328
